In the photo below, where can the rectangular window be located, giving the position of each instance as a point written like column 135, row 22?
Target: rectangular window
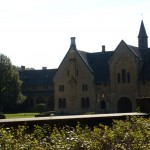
column 34, row 87
column 84, row 87
column 85, row 103
column 128, row 77
column 77, row 72
column 82, row 102
column 45, row 86
column 61, row 88
column 123, row 76
column 118, row 77
column 62, row 103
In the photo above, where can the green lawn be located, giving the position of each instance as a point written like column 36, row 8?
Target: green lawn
column 21, row 115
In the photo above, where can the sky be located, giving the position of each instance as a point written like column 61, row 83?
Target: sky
column 36, row 33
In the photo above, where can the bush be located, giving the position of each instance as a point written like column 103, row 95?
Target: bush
column 2, row 116
column 41, row 107
column 133, row 133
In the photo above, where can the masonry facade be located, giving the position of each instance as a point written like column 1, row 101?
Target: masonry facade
column 38, row 87
column 103, row 82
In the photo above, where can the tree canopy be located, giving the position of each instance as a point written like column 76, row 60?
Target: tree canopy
column 10, row 85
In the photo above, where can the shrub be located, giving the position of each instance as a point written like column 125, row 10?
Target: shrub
column 133, row 133
column 2, row 116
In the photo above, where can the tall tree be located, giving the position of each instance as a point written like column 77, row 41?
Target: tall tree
column 10, row 84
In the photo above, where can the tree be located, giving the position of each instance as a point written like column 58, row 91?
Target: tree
column 10, row 85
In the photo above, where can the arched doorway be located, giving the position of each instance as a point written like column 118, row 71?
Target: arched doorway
column 124, row 105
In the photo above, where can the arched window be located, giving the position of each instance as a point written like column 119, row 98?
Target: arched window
column 103, row 104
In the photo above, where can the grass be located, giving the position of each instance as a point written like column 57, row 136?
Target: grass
column 20, row 115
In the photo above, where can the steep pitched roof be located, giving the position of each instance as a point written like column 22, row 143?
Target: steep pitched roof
column 142, row 32
column 133, row 49
column 136, row 51
column 145, row 71
column 37, row 77
column 84, row 56
column 98, row 64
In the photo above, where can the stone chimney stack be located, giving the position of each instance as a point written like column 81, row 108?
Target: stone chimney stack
column 73, row 42
column 44, row 68
column 103, row 48
column 23, row 68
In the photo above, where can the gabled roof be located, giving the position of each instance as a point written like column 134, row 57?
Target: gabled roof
column 98, row 64
column 84, row 57
column 37, row 77
column 135, row 50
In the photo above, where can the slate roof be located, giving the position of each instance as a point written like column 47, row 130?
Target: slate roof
column 98, row 64
column 145, row 71
column 136, row 51
column 142, row 32
column 37, row 77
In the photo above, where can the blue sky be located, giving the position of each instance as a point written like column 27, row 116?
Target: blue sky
column 36, row 33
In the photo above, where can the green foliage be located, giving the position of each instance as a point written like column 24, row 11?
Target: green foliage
column 133, row 133
column 2, row 116
column 10, row 85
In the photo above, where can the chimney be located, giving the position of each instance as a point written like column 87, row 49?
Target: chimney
column 73, row 43
column 23, row 68
column 44, row 68
column 103, row 48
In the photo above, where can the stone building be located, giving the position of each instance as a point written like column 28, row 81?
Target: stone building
column 106, row 81
column 102, row 82
column 38, row 87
